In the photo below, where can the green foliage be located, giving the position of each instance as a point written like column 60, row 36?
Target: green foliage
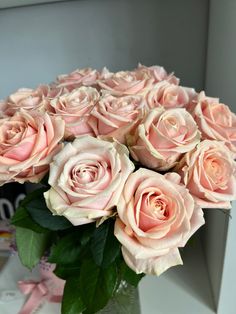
column 67, row 271
column 23, row 219
column 88, row 258
column 96, row 285
column 66, row 251
column 72, row 302
column 129, row 275
column 104, row 245
column 31, row 246
column 36, row 206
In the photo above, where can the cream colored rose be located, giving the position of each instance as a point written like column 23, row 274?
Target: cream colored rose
column 162, row 137
column 216, row 121
column 156, row 216
column 50, row 91
column 75, row 108
column 24, row 98
column 28, row 143
column 158, row 73
column 77, row 78
column 87, row 178
column 117, row 116
column 169, row 96
column 125, row 83
column 210, row 175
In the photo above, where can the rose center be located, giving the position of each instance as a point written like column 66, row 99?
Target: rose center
column 84, row 174
column 217, row 170
column 156, row 207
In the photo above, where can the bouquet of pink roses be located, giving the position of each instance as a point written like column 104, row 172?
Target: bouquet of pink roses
column 126, row 163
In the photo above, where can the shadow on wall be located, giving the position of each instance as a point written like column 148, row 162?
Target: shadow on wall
column 39, row 42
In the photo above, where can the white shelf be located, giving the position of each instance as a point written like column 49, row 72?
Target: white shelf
column 181, row 290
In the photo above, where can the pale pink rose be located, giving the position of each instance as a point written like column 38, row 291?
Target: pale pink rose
column 216, row 121
column 158, row 73
column 24, row 98
column 169, row 96
column 29, row 140
column 126, row 83
column 87, row 178
column 75, row 108
column 78, row 78
column 209, row 174
column 104, row 74
column 162, row 137
column 116, row 116
column 156, row 216
column 50, row 91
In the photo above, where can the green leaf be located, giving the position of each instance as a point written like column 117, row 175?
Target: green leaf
column 33, row 195
column 86, row 233
column 104, row 245
column 96, row 285
column 72, row 302
column 37, row 208
column 31, row 246
column 22, row 219
column 66, row 250
column 129, row 275
column 67, row 271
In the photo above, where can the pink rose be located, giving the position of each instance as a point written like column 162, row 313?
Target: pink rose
column 157, row 215
column 169, row 95
column 116, row 116
column 126, row 83
column 75, row 108
column 87, row 178
column 216, row 121
column 78, row 78
column 162, row 137
column 158, row 73
column 209, row 174
column 50, row 91
column 24, row 98
column 28, row 143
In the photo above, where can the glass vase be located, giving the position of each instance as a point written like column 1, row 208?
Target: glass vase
column 125, row 301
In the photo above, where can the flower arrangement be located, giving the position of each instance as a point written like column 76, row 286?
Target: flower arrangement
column 126, row 161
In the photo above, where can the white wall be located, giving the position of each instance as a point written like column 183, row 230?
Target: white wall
column 39, row 42
column 220, row 81
column 221, row 61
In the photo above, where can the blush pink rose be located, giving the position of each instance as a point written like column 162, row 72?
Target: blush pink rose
column 162, row 137
column 169, row 96
column 75, row 108
column 24, row 98
column 28, row 143
column 156, row 216
column 116, row 116
column 216, row 121
column 209, row 174
column 125, row 83
column 78, row 78
column 158, row 73
column 50, row 91
column 87, row 178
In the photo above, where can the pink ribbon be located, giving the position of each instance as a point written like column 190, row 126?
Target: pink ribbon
column 38, row 292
